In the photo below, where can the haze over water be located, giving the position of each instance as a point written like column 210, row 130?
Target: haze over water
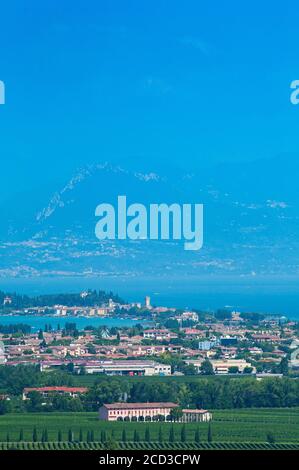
column 269, row 296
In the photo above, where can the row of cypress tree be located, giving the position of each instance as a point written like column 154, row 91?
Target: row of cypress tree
column 90, row 436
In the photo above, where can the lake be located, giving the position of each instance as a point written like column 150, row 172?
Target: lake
column 39, row 321
column 253, row 293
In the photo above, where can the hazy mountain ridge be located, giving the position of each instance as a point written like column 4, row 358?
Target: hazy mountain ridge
column 251, row 224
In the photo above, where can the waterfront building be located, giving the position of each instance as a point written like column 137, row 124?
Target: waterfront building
column 7, row 300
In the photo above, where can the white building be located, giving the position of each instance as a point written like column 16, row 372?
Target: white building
column 223, row 366
column 2, row 353
column 130, row 368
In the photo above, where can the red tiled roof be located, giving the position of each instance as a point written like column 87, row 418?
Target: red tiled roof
column 131, row 406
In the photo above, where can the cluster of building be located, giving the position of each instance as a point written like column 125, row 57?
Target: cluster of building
column 190, row 343
column 146, row 412
column 232, row 346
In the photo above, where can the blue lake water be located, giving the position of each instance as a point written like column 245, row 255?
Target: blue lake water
column 39, row 321
column 276, row 295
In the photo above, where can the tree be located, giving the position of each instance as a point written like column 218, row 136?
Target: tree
column 284, row 366
column 206, row 368
column 136, row 436
column 160, row 435
column 70, row 367
column 35, row 401
column 107, row 391
column 40, row 335
column 70, row 436
column 59, row 436
column 124, row 436
column 189, row 369
column 223, row 314
column 80, row 435
column 45, row 435
column 147, row 435
column 4, row 407
column 34, row 435
column 176, row 414
column 210, row 436
column 110, row 444
column 21, row 435
column 171, row 434
column 197, row 436
column 91, row 349
column 270, row 438
column 183, row 434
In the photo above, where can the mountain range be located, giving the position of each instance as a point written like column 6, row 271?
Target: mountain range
column 251, row 224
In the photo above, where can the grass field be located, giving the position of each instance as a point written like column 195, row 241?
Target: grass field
column 246, row 425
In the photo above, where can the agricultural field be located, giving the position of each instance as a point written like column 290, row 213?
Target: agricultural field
column 144, row 446
column 228, row 426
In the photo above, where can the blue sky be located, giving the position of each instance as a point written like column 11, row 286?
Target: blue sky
column 143, row 83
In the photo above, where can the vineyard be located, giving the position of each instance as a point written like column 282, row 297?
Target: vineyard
column 244, row 427
column 146, row 446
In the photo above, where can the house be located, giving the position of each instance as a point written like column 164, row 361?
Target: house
column 135, row 411
column 150, row 412
column 223, row 366
column 47, row 391
column 156, row 334
column 193, row 316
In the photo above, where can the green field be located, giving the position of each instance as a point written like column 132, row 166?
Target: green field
column 246, row 425
column 145, row 446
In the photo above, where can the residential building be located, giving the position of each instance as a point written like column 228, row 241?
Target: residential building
column 48, row 391
column 149, row 412
column 223, row 366
column 135, row 411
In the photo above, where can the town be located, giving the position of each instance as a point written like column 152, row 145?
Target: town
column 142, row 364
column 162, row 341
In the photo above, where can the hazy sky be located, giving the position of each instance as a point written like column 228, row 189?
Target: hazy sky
column 154, row 81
